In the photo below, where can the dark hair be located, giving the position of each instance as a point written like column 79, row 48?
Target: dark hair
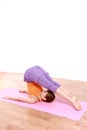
column 50, row 96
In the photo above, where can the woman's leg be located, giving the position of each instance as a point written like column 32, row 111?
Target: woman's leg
column 67, row 96
column 51, row 80
column 44, row 82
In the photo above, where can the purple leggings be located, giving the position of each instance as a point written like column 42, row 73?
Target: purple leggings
column 40, row 76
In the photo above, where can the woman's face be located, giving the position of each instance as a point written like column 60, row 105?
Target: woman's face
column 43, row 94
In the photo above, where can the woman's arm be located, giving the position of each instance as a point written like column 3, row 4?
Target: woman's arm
column 30, row 99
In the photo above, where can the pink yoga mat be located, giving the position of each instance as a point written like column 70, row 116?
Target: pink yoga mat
column 57, row 107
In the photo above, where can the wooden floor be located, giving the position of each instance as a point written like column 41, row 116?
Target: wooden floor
column 13, row 117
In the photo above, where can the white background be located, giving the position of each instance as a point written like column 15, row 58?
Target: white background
column 50, row 33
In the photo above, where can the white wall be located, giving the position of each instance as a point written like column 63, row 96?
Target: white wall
column 50, row 33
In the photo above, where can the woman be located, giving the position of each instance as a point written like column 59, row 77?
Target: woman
column 37, row 79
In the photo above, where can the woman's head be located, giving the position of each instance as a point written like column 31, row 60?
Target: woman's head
column 48, row 96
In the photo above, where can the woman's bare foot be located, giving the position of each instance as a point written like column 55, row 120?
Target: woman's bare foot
column 76, row 103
